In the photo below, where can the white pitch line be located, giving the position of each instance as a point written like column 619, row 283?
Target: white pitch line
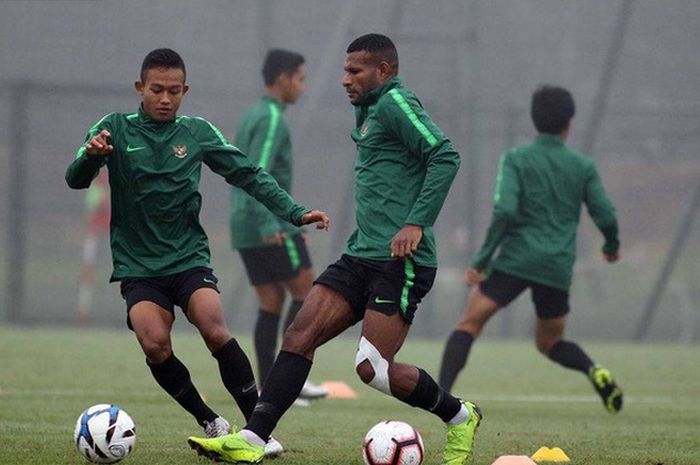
column 565, row 399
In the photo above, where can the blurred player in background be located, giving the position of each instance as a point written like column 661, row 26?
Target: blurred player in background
column 405, row 166
column 273, row 251
column 540, row 189
column 96, row 226
column 160, row 251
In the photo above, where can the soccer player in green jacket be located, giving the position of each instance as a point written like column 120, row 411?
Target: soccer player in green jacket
column 540, row 189
column 274, row 252
column 405, row 166
column 159, row 249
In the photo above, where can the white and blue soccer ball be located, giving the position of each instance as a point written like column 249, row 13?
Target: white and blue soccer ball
column 104, row 433
column 392, row 442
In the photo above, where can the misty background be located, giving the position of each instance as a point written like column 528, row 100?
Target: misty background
column 632, row 66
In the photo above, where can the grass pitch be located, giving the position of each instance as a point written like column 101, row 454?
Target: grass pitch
column 47, row 377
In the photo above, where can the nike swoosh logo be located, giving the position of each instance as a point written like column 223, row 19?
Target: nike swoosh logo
column 377, row 300
column 207, row 280
column 130, row 149
column 248, row 388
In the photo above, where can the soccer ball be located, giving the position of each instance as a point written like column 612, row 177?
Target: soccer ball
column 104, row 433
column 392, row 442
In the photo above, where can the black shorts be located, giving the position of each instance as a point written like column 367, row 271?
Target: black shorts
column 276, row 263
column 504, row 288
column 385, row 286
column 167, row 291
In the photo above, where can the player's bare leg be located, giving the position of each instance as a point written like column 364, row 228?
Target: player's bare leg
column 152, row 325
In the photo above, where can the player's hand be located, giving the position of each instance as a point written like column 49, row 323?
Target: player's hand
column 99, row 145
column 611, row 257
column 406, row 241
column 275, row 239
column 472, row 276
column 315, row 216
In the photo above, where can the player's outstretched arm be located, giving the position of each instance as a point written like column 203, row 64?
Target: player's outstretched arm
column 315, row 216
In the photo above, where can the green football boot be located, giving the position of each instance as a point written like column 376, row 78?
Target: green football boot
column 603, row 382
column 232, row 448
column 460, row 438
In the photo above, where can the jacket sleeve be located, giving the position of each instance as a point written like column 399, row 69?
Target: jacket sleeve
column 506, row 200
column 263, row 148
column 229, row 162
column 84, row 168
column 601, row 211
column 403, row 115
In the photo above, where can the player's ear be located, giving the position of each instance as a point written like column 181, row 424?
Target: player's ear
column 138, row 85
column 384, row 70
column 185, row 88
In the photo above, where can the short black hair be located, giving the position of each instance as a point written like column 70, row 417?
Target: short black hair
column 378, row 45
column 551, row 109
column 279, row 61
column 162, row 58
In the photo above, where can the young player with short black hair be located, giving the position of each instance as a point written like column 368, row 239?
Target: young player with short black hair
column 540, row 189
column 274, row 252
column 160, row 251
column 405, row 166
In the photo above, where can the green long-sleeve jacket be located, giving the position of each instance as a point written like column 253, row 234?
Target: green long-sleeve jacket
column 154, row 174
column 264, row 136
column 540, row 189
column 404, row 168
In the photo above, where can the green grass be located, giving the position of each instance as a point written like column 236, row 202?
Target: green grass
column 47, row 377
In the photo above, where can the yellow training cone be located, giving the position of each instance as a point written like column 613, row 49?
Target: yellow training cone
column 545, row 454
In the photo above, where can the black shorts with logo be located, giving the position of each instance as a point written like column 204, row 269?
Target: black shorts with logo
column 503, row 288
column 276, row 262
column 387, row 286
column 167, row 291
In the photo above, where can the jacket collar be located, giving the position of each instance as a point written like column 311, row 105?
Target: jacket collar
column 371, row 97
column 549, row 139
column 145, row 120
column 270, row 99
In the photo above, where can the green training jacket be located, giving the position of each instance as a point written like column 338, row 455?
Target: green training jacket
column 154, row 174
column 537, row 207
column 264, row 136
column 403, row 171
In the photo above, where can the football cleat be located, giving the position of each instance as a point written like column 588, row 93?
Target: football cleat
column 313, row 391
column 273, row 448
column 232, row 448
column 460, row 438
column 217, row 427
column 609, row 391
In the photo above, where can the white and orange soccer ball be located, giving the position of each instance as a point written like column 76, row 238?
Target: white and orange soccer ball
column 392, row 442
column 104, row 433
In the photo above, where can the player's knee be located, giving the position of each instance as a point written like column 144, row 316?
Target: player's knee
column 365, row 372
column 372, row 368
column 156, row 351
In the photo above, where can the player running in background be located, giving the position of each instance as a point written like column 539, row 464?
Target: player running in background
column 96, row 225
column 405, row 166
column 540, row 189
column 160, row 252
column 273, row 251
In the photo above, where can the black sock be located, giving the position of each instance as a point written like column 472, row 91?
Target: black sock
column 281, row 390
column 431, row 397
column 265, row 342
column 454, row 358
column 175, row 379
column 571, row 356
column 237, row 375
column 294, row 307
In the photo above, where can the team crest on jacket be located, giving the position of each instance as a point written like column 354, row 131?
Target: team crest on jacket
column 364, row 130
column 180, row 151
